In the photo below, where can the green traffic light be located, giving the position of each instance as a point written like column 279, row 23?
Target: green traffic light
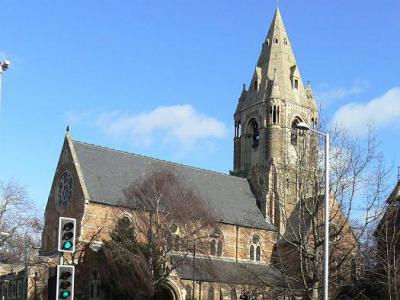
column 67, row 245
column 65, row 294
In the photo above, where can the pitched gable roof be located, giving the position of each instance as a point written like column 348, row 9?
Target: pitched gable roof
column 107, row 172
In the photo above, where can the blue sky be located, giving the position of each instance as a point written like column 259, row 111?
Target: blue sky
column 162, row 78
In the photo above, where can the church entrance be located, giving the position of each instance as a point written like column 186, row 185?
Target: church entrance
column 165, row 294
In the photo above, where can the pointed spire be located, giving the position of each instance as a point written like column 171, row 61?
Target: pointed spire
column 241, row 99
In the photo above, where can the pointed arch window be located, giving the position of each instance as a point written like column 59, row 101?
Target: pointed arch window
column 188, row 290
column 296, row 84
column 217, row 242
column 255, row 133
column 219, row 248
column 213, row 247
column 255, row 248
column 210, row 293
column 295, row 132
column 95, row 286
column 275, row 114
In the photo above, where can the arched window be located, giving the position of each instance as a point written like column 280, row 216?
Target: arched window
column 94, row 286
column 270, row 114
column 233, row 294
column 216, row 242
column 296, row 84
column 177, row 243
column 258, row 253
column 210, row 293
column 255, row 133
column 255, row 248
column 188, row 290
column 276, row 41
column 219, row 248
column 213, row 249
column 294, row 132
column 275, row 114
column 267, row 42
column 238, row 130
column 255, row 85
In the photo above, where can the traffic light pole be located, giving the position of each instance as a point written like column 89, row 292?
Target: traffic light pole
column 65, row 273
column 25, row 285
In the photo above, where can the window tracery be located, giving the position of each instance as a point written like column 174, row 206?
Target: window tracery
column 255, row 248
column 95, row 286
column 216, row 242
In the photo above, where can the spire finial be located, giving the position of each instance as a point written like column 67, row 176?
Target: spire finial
column 277, row 4
column 67, row 128
column 398, row 174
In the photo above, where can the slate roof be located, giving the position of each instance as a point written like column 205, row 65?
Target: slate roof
column 107, row 172
column 231, row 272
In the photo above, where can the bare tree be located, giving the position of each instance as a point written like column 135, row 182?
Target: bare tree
column 299, row 216
column 384, row 253
column 18, row 222
column 160, row 221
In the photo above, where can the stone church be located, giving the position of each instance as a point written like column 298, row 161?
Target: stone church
column 90, row 179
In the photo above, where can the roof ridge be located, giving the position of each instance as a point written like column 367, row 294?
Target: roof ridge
column 158, row 159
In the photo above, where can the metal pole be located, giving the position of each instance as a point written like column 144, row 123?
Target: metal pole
column 25, row 286
column 194, row 257
column 326, row 241
column 1, row 78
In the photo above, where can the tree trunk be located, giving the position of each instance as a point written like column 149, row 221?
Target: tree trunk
column 315, row 291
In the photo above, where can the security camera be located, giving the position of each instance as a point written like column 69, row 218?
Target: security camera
column 5, row 65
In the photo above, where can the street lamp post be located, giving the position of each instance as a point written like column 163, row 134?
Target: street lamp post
column 4, row 65
column 304, row 126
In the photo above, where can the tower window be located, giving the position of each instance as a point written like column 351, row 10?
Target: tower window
column 255, row 133
column 285, row 42
column 296, row 84
column 294, row 132
column 275, row 115
column 276, row 41
column 255, row 85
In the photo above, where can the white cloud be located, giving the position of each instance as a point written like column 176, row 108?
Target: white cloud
column 179, row 126
column 338, row 93
column 380, row 112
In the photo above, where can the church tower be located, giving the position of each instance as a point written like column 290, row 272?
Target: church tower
column 265, row 121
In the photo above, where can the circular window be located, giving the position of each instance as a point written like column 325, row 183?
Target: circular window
column 64, row 191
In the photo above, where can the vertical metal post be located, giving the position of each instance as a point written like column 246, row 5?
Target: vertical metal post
column 25, row 285
column 326, row 241
column 193, row 264
column 1, row 78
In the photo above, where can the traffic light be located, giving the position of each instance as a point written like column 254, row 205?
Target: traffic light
column 66, row 235
column 65, row 282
